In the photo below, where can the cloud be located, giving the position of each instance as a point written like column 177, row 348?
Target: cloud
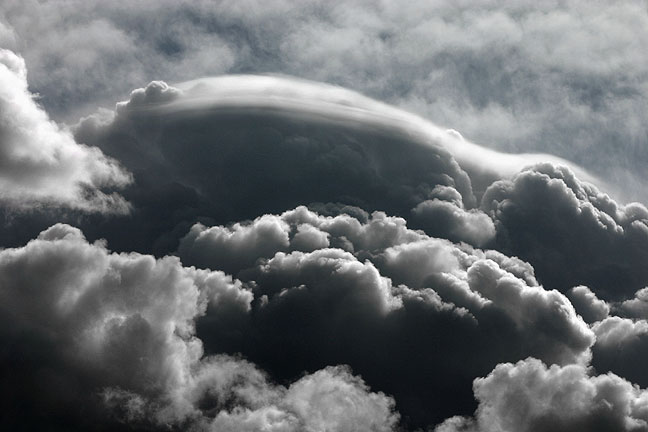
column 547, row 216
column 590, row 307
column 41, row 164
column 621, row 344
column 529, row 396
column 116, row 332
column 367, row 275
column 227, row 149
column 493, row 71
column 378, row 296
column 356, row 266
column 445, row 216
column 240, row 246
column 636, row 307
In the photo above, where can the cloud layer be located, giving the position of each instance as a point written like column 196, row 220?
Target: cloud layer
column 265, row 253
column 562, row 78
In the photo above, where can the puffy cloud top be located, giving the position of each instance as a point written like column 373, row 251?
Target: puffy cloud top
column 549, row 217
column 529, row 396
column 116, row 331
column 295, row 256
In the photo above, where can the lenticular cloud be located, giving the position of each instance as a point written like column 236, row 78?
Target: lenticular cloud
column 299, row 257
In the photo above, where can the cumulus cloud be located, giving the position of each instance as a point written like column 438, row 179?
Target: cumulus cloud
column 41, row 164
column 226, row 149
column 635, row 307
column 529, row 396
column 590, row 307
column 340, row 264
column 570, row 231
column 358, row 286
column 366, row 275
column 115, row 334
column 229, row 149
column 621, row 346
column 445, row 216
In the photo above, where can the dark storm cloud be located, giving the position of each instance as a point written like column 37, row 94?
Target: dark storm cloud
column 197, row 153
column 570, row 231
column 564, row 78
column 445, row 314
column 214, row 163
column 621, row 347
column 587, row 304
column 40, row 163
column 356, row 266
column 635, row 307
column 530, row 397
column 95, row 336
column 229, row 148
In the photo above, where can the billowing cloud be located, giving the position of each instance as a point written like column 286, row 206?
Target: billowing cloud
column 114, row 334
column 292, row 255
column 529, row 396
column 621, row 347
column 317, row 277
column 444, row 215
column 587, row 304
column 40, row 163
column 570, row 231
column 494, row 71
column 228, row 148
column 366, row 275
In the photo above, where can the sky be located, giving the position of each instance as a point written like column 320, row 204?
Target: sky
column 287, row 216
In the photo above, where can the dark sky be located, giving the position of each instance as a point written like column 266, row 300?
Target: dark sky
column 323, row 216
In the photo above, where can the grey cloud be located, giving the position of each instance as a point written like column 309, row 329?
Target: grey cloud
column 334, row 306
column 115, row 334
column 229, row 149
column 570, row 231
column 444, row 215
column 529, row 396
column 621, row 347
column 566, row 79
column 41, row 164
column 361, row 270
column 590, row 307
column 239, row 246
column 636, row 307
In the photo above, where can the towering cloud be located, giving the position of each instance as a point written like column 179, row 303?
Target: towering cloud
column 229, row 148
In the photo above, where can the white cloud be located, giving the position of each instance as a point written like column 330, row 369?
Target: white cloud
column 531, row 397
column 41, row 164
